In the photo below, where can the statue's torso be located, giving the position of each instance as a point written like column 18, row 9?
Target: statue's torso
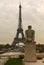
column 30, row 35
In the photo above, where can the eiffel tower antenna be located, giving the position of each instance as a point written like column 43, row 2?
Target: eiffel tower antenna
column 20, row 17
column 19, row 1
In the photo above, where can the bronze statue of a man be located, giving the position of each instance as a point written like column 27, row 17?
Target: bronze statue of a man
column 30, row 34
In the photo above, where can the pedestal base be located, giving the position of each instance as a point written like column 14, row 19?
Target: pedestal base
column 30, row 52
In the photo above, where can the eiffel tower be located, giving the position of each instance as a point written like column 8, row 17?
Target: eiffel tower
column 19, row 30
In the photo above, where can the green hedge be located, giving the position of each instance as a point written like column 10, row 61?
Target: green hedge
column 14, row 61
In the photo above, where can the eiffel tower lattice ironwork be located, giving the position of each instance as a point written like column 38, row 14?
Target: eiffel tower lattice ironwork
column 19, row 30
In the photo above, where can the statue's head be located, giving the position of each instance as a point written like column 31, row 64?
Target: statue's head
column 29, row 27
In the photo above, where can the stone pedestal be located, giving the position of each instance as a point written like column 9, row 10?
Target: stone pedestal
column 30, row 52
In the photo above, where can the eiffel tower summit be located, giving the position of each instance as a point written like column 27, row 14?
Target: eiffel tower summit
column 17, row 39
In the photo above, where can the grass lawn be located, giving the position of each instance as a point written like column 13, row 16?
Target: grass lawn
column 14, row 61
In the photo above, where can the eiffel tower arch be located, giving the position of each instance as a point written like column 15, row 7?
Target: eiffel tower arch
column 19, row 30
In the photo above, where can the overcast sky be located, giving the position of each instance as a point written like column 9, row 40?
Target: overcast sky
column 32, row 14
